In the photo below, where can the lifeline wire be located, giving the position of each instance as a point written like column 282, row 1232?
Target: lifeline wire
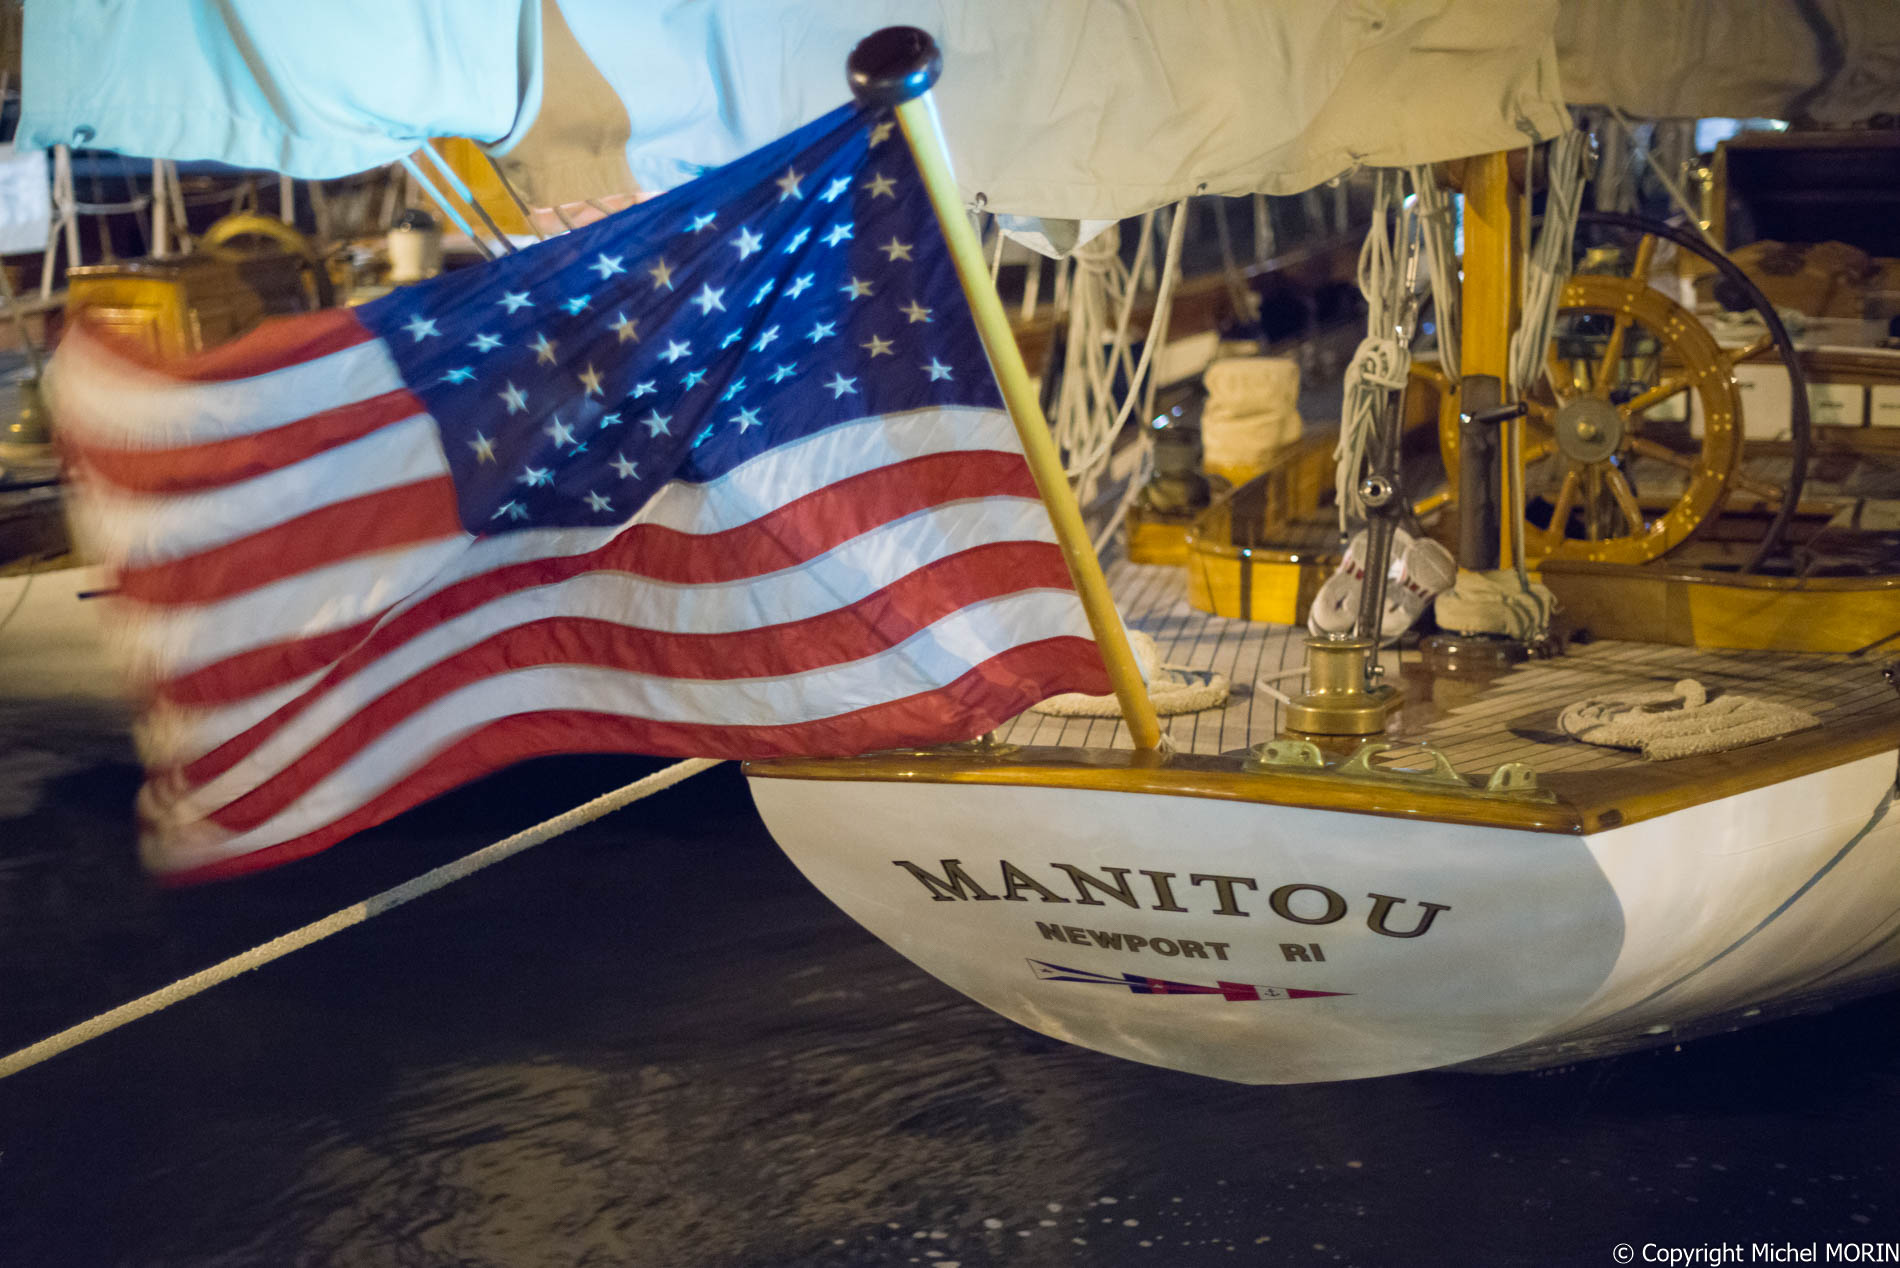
column 355, row 914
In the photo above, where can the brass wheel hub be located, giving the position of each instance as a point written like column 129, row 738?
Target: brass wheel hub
column 1588, row 429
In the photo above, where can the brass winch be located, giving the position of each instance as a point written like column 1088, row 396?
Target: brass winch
column 1342, row 696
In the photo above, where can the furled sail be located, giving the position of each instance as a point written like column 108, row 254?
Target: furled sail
column 1075, row 110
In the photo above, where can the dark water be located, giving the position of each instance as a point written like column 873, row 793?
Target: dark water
column 651, row 1043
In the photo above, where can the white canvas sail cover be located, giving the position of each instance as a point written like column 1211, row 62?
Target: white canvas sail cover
column 1078, row 109
column 1072, row 109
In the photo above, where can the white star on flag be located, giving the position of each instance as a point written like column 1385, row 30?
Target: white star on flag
column 788, row 184
column 598, row 503
column 661, row 275
column 709, row 298
column 516, row 398
column 746, row 418
column 657, row 423
column 800, row 285
column 840, row 385
column 485, row 343
column 590, row 379
column 880, row 185
column 896, row 250
column 856, row 289
column 747, row 243
column 484, row 448
column 421, row 327
column 627, row 329
column 837, row 186
column 532, row 476
column 543, row 349
column 915, row 311
column 675, row 349
column 512, row 300
column 879, row 347
column 938, row 370
column 607, row 265
column 628, row 470
column 562, row 433
column 839, row 233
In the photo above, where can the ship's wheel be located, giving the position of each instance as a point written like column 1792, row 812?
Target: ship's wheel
column 1633, row 439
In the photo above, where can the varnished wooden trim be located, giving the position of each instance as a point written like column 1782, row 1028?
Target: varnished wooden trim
column 1183, row 775
column 1587, row 801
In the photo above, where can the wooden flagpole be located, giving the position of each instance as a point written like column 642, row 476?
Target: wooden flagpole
column 896, row 67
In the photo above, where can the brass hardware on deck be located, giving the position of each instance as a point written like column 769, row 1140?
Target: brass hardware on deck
column 1281, row 754
column 1514, row 777
column 1442, row 772
column 1515, row 780
column 1340, row 696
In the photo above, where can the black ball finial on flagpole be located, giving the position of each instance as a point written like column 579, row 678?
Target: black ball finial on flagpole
column 892, row 66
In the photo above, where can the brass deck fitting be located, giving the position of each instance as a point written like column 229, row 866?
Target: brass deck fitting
column 1337, row 700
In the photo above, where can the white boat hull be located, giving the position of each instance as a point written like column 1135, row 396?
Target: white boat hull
column 1320, row 944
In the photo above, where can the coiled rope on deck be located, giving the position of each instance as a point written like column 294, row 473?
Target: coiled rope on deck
column 355, row 914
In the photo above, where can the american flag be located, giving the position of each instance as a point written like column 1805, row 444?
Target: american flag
column 724, row 474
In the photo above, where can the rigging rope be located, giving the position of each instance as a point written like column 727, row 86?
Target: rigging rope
column 1548, row 266
column 1383, row 359
column 1089, row 413
column 356, row 914
column 1436, row 227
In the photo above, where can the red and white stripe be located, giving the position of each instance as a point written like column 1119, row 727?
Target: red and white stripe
column 321, row 644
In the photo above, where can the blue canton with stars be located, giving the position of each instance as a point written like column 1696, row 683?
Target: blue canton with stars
column 804, row 285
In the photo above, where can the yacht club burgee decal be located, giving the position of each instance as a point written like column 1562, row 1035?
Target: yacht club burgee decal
column 1232, row 992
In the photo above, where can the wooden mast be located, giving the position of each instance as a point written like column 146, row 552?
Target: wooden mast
column 1493, row 258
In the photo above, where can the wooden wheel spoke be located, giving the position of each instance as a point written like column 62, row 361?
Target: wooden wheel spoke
column 1625, row 499
column 1760, row 488
column 1612, row 353
column 1566, row 499
column 1645, row 256
column 1662, row 453
column 1593, row 502
column 1760, row 344
column 1539, row 449
column 1655, row 396
column 1562, row 382
column 1619, row 332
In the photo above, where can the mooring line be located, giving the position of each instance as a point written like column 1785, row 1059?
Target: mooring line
column 355, row 914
